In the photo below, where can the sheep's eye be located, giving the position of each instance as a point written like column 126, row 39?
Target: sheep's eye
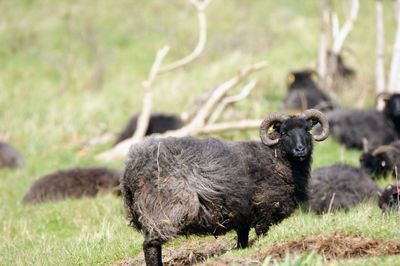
column 383, row 163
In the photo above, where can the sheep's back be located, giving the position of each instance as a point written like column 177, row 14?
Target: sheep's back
column 343, row 185
column 199, row 181
column 71, row 183
column 9, row 156
column 351, row 126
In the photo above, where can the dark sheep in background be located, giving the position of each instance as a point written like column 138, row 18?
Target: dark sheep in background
column 351, row 126
column 339, row 186
column 9, row 156
column 338, row 68
column 389, row 200
column 382, row 161
column 159, row 123
column 178, row 186
column 304, row 93
column 72, row 183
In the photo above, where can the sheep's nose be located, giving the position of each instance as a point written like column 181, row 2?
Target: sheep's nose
column 300, row 148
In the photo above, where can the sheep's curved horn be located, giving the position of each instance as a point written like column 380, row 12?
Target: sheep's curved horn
column 318, row 115
column 383, row 149
column 269, row 121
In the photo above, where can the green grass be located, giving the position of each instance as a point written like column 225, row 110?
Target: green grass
column 67, row 68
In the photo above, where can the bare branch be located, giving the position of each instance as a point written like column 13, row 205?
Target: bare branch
column 144, row 116
column 380, row 59
column 200, row 6
column 204, row 113
column 227, row 126
column 335, row 24
column 231, row 99
column 344, row 31
column 394, row 75
column 323, row 41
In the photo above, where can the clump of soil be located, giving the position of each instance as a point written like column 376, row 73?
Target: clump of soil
column 331, row 247
column 336, row 246
column 186, row 255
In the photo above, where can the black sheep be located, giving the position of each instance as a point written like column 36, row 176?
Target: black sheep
column 389, row 200
column 9, row 156
column 72, row 183
column 351, row 126
column 159, row 123
column 178, row 186
column 304, row 93
column 339, row 186
column 383, row 160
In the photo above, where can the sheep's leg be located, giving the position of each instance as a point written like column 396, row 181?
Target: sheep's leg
column 243, row 237
column 152, row 253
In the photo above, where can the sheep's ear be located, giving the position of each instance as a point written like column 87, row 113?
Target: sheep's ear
column 291, row 78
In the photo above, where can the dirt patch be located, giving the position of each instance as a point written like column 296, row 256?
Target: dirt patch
column 189, row 254
column 331, row 247
column 336, row 246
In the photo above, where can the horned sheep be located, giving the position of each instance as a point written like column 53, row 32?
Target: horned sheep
column 383, row 160
column 304, row 93
column 177, row 186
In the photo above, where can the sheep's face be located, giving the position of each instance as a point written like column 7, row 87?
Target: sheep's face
column 376, row 166
column 295, row 138
column 392, row 108
column 389, row 198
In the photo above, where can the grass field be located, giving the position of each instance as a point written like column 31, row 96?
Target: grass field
column 70, row 68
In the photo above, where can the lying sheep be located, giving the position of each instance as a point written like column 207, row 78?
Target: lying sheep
column 178, row 186
column 72, row 183
column 304, row 93
column 382, row 161
column 351, row 126
column 339, row 186
column 389, row 200
column 9, row 156
column 159, row 123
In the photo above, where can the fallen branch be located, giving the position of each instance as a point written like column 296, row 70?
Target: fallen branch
column 227, row 126
column 230, row 100
column 197, row 124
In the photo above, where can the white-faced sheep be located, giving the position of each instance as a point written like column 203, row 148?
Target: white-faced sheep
column 382, row 161
column 389, row 200
column 9, row 156
column 72, row 183
column 351, row 126
column 339, row 186
column 177, row 186
column 159, row 123
column 304, row 93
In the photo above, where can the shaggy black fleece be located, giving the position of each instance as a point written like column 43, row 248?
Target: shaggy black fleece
column 9, row 156
column 304, row 93
column 343, row 185
column 350, row 126
column 159, row 123
column 72, row 183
